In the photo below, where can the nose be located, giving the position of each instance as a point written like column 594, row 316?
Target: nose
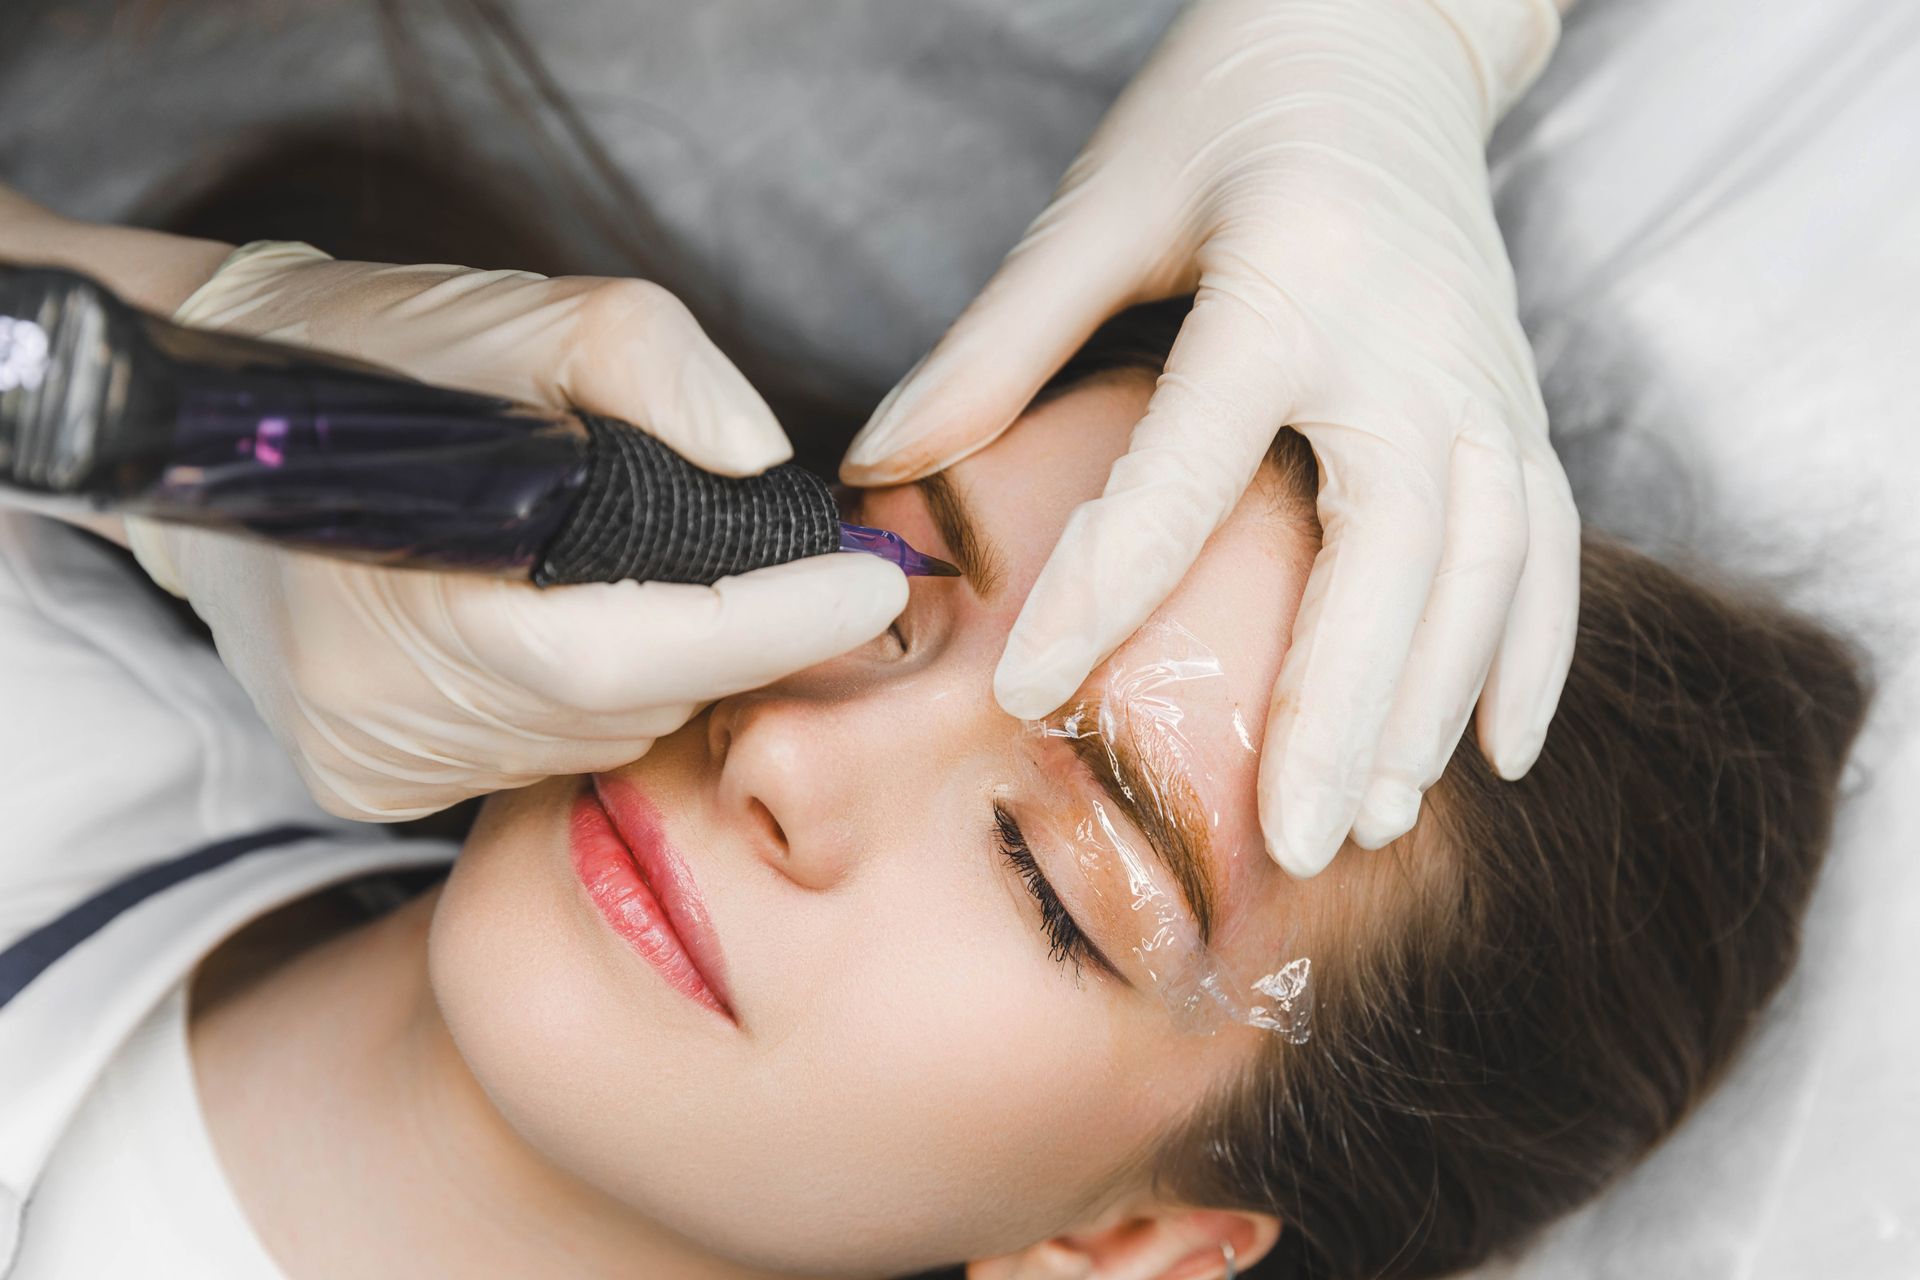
column 782, row 763
column 818, row 780
column 760, row 756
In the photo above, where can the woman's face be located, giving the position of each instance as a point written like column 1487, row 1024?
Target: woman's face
column 905, row 1071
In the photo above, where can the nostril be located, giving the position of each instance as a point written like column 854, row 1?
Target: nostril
column 719, row 736
column 772, row 825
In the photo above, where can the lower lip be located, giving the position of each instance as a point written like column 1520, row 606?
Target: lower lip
column 612, row 879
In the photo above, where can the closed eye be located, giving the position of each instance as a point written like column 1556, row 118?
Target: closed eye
column 1066, row 941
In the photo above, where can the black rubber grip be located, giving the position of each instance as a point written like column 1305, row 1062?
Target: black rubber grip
column 647, row 513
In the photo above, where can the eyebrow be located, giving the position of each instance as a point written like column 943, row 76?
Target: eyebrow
column 1165, row 810
column 977, row 555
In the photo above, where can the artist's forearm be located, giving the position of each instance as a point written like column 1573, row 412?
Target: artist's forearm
column 151, row 269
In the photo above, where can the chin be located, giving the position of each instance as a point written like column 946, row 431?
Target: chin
column 582, row 1060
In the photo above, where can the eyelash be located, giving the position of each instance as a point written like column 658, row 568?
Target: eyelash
column 1065, row 941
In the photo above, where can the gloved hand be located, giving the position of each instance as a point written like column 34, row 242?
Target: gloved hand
column 400, row 692
column 1314, row 172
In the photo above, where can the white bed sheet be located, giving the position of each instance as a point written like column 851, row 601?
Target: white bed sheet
column 1714, row 212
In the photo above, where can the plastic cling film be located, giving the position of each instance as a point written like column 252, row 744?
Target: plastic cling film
column 1281, row 1002
column 1166, row 940
column 1134, row 801
column 1290, row 988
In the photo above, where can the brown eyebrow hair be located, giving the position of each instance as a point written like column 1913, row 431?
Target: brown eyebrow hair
column 977, row 555
column 1163, row 807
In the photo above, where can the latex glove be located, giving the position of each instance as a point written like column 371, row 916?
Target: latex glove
column 400, row 692
column 1314, row 172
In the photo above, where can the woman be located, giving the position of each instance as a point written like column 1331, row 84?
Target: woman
column 880, row 1037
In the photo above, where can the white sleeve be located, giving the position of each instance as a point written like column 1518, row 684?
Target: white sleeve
column 122, row 739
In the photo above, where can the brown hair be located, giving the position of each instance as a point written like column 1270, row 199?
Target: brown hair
column 1574, row 958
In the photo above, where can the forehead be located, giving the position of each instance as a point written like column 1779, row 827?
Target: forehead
column 1237, row 601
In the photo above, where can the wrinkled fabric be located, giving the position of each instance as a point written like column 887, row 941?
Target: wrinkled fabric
column 140, row 1143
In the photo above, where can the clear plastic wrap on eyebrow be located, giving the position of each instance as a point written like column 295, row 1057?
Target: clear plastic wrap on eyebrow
column 1142, row 712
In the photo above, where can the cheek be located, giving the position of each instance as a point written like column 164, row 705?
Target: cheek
column 582, row 1060
column 952, row 1092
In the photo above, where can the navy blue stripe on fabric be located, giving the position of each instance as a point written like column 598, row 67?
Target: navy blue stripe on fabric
column 33, row 954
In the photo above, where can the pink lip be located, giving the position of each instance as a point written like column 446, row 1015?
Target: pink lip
column 644, row 891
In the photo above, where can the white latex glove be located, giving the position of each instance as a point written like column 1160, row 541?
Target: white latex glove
column 1314, row 172
column 400, row 692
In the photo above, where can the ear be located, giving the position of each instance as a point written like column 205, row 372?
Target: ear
column 1174, row 1245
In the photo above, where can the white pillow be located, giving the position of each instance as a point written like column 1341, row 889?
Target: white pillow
column 1714, row 213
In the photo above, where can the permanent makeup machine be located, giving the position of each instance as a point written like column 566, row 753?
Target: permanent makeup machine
column 110, row 409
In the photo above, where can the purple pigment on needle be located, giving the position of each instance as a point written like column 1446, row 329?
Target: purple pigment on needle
column 891, row 546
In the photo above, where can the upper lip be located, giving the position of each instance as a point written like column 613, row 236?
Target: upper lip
column 640, row 829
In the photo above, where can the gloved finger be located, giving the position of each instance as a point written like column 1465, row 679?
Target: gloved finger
column 408, row 753
column 147, row 539
column 1072, row 270
column 345, row 795
column 376, row 770
column 642, row 357
column 599, row 746
column 1213, row 416
column 621, row 647
column 586, row 744
column 1485, row 552
column 1530, row 666
column 1383, row 517
column 628, row 349
column 360, row 768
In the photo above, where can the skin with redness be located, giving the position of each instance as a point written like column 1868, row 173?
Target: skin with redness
column 913, row 1075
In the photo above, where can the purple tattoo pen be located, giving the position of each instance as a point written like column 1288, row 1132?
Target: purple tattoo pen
column 891, row 546
column 104, row 404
